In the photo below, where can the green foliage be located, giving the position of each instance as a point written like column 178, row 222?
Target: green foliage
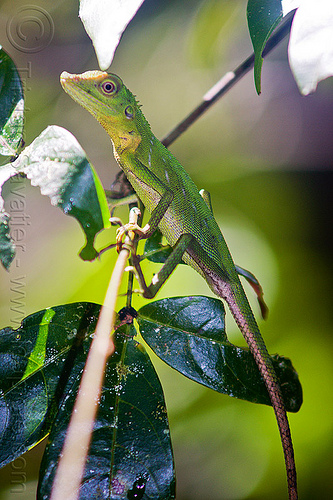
column 155, row 250
column 188, row 333
column 131, row 438
column 56, row 163
column 11, row 106
column 11, row 130
column 262, row 17
column 41, row 367
column 310, row 53
column 7, row 247
column 43, row 360
column 39, row 362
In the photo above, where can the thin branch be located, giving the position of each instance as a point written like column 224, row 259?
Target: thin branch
column 226, row 82
column 73, row 458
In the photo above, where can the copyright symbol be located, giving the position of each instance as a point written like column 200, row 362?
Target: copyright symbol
column 30, row 29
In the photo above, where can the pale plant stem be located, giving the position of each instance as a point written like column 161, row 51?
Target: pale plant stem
column 72, row 461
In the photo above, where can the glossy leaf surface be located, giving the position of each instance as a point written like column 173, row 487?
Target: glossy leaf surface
column 39, row 363
column 130, row 453
column 188, row 333
column 11, row 106
column 56, row 163
column 262, row 17
column 155, row 250
column 7, row 247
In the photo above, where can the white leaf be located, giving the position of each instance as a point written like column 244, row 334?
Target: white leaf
column 51, row 161
column 311, row 44
column 105, row 21
column 289, row 5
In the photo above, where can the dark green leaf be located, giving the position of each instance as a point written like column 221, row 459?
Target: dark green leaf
column 39, row 363
column 11, row 106
column 56, row 163
column 7, row 247
column 263, row 16
column 130, row 446
column 155, row 251
column 188, row 333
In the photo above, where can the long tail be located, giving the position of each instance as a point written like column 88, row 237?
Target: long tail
column 249, row 328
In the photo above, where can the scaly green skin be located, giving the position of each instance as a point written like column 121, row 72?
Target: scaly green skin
column 156, row 175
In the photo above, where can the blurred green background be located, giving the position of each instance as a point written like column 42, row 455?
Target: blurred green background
column 267, row 162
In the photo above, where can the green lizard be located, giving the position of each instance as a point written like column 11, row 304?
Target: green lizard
column 183, row 216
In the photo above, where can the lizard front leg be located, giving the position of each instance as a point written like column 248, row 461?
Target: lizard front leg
column 151, row 226
column 175, row 257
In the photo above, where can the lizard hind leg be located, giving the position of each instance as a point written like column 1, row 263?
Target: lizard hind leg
column 175, row 257
column 252, row 280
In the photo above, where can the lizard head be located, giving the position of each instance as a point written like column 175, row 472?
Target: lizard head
column 106, row 97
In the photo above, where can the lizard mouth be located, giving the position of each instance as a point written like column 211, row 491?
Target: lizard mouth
column 75, row 86
column 69, row 81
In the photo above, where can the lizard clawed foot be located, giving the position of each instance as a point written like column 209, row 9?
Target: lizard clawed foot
column 126, row 229
column 115, row 221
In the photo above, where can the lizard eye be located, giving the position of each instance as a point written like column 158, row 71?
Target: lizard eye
column 129, row 112
column 108, row 87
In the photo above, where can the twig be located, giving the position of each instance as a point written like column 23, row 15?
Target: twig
column 73, row 458
column 226, row 82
